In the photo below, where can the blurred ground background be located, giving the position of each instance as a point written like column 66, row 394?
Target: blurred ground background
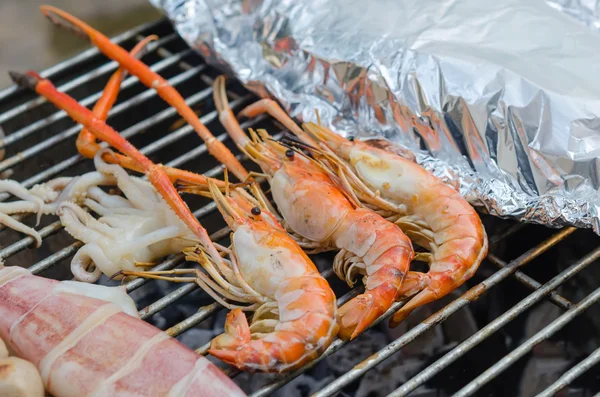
column 29, row 41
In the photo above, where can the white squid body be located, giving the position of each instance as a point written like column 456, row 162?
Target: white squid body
column 84, row 346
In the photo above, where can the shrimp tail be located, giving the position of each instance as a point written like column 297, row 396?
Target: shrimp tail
column 236, row 335
column 382, row 254
column 235, row 347
column 305, row 328
column 440, row 284
column 359, row 313
column 445, row 276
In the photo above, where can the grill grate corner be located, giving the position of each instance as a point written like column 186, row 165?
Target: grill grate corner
column 39, row 146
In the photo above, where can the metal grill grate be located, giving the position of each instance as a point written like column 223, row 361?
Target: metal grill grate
column 39, row 146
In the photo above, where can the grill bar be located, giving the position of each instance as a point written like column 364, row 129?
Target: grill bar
column 572, row 374
column 190, row 70
column 77, row 60
column 360, row 369
column 519, row 352
column 524, row 279
column 53, row 259
column 495, row 325
column 193, row 320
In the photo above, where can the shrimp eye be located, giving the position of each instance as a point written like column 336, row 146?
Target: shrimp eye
column 289, row 154
column 255, row 211
column 351, row 138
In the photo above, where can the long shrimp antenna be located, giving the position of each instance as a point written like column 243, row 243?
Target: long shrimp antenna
column 292, row 138
column 297, row 143
column 226, row 179
column 338, row 178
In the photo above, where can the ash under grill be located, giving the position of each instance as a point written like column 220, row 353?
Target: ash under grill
column 528, row 322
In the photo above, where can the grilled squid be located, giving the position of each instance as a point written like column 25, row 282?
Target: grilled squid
column 136, row 228
column 88, row 340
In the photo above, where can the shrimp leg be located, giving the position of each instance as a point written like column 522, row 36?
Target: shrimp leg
column 149, row 79
column 156, row 175
column 86, row 141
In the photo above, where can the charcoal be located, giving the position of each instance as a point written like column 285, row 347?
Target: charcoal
column 427, row 343
column 387, row 376
column 196, row 337
column 539, row 373
column 357, row 350
column 541, row 316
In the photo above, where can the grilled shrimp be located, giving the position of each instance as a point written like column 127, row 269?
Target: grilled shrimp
column 294, row 308
column 434, row 215
column 322, row 217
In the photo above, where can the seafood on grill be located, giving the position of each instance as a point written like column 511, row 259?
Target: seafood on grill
column 131, row 232
column 323, row 217
column 18, row 377
column 87, row 340
column 159, row 176
column 434, row 215
column 302, row 321
column 369, row 244
column 266, row 272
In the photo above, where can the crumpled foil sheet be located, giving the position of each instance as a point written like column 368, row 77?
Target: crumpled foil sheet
column 587, row 11
column 499, row 98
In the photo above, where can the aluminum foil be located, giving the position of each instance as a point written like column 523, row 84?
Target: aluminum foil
column 499, row 98
column 587, row 11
